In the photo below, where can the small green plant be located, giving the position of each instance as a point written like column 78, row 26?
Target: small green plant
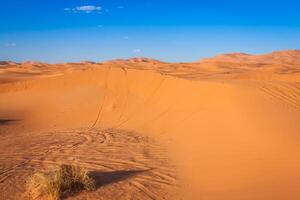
column 53, row 185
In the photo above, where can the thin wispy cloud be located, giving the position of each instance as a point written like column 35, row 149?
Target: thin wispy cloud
column 85, row 9
column 137, row 50
column 11, row 44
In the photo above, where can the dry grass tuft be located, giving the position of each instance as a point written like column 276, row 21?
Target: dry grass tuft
column 52, row 185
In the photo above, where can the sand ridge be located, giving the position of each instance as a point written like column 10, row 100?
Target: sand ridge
column 216, row 129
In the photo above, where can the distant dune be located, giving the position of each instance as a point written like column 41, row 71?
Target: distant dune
column 224, row 128
column 292, row 56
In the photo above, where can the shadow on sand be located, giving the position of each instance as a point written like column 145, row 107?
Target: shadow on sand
column 106, row 178
column 7, row 121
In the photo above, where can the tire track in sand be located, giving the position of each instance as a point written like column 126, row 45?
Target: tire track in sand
column 138, row 166
column 289, row 93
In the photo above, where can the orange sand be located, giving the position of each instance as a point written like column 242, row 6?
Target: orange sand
column 225, row 128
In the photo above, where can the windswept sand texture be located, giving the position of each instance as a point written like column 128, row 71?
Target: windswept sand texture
column 225, row 128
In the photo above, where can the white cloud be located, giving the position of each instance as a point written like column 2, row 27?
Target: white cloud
column 137, row 50
column 89, row 8
column 85, row 9
column 11, row 44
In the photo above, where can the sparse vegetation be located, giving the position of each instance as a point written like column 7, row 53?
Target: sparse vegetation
column 53, row 185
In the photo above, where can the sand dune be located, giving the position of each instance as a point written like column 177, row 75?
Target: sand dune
column 223, row 128
column 289, row 56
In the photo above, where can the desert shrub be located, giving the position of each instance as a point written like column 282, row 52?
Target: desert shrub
column 52, row 185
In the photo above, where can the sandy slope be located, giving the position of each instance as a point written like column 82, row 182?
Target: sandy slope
column 218, row 129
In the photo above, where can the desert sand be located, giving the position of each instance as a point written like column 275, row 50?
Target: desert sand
column 222, row 128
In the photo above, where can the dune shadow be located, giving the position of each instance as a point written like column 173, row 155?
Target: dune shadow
column 7, row 121
column 105, row 178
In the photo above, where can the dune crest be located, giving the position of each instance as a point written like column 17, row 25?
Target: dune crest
column 274, row 57
column 154, row 130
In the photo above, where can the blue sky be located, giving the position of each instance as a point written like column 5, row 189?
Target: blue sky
column 178, row 30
